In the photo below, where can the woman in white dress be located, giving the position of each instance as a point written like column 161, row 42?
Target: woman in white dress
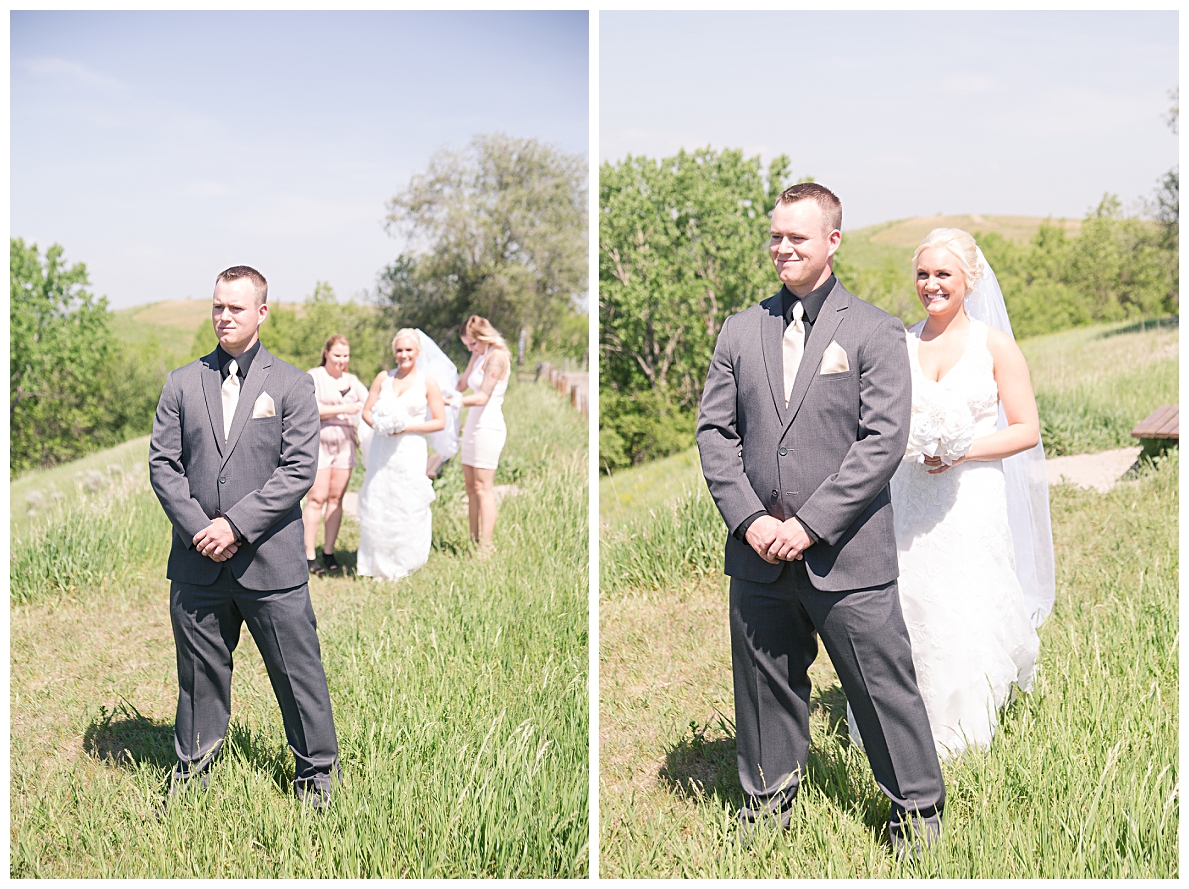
column 483, row 437
column 340, row 398
column 395, row 519
column 975, row 575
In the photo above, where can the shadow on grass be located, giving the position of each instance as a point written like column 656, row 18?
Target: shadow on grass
column 1145, row 324
column 697, row 767
column 124, row 737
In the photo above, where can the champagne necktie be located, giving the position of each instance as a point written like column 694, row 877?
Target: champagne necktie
column 230, row 396
column 794, row 348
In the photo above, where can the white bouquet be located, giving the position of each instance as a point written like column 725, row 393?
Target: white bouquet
column 942, row 426
column 385, row 421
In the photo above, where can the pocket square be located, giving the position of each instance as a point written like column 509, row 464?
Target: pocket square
column 834, row 361
column 264, row 407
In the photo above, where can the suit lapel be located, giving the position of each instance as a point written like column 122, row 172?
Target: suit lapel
column 772, row 342
column 212, row 389
column 253, row 385
column 824, row 327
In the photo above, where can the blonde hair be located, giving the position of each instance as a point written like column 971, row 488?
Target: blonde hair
column 958, row 242
column 479, row 328
column 407, row 333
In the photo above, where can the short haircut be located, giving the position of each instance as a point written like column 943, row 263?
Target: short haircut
column 245, row 271
column 826, row 199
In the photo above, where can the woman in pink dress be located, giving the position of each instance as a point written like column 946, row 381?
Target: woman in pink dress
column 340, row 397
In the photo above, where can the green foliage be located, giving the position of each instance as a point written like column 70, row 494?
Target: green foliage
column 502, row 231
column 460, row 702
column 1119, row 267
column 61, row 361
column 681, row 247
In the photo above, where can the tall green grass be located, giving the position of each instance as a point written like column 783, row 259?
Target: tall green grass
column 1081, row 780
column 104, row 531
column 460, row 700
column 1094, row 384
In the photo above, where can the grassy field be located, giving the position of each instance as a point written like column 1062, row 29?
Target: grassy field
column 169, row 324
column 1093, row 385
column 460, row 693
column 1081, row 781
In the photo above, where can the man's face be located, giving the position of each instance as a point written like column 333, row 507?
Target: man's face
column 236, row 315
column 801, row 245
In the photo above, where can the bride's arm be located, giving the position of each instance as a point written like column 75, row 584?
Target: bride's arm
column 1017, row 400
column 437, row 411
column 372, row 395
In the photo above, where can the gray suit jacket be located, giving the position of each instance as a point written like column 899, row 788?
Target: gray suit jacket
column 828, row 456
column 256, row 478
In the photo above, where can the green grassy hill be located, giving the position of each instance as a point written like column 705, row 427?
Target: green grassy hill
column 169, row 324
column 876, row 261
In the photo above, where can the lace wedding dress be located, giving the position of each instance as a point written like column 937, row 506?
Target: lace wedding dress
column 395, row 519
column 972, row 638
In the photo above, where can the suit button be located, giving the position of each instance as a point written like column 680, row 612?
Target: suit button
column 775, row 493
column 222, row 479
column 783, row 452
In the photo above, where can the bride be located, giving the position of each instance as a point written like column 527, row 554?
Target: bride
column 395, row 520
column 971, row 501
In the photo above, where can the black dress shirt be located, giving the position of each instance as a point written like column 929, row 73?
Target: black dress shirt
column 242, row 363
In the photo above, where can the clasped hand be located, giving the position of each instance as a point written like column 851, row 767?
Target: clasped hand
column 937, row 465
column 217, row 541
column 776, row 541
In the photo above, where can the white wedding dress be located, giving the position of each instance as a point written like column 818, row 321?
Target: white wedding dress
column 395, row 519
column 972, row 638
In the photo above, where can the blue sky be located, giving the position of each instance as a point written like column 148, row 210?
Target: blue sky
column 162, row 147
column 905, row 113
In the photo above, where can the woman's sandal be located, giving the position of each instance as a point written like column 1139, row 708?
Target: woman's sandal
column 314, row 567
column 331, row 562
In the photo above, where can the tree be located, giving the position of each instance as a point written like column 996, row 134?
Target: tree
column 61, row 357
column 498, row 229
column 681, row 247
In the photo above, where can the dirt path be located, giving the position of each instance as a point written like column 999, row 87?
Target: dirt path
column 1098, row 471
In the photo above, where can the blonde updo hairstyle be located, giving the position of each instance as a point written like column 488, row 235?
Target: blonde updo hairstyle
column 407, row 333
column 479, row 328
column 959, row 243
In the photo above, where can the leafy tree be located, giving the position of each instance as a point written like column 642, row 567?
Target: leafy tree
column 61, row 354
column 498, row 229
column 681, row 247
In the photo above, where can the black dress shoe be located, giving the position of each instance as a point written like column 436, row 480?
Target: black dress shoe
column 912, row 836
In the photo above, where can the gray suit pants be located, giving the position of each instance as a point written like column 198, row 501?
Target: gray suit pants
column 772, row 647
column 206, row 628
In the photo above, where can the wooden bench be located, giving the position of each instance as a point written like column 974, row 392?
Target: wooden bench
column 1160, row 429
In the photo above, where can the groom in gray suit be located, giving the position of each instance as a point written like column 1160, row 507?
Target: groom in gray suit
column 804, row 418
column 234, row 448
